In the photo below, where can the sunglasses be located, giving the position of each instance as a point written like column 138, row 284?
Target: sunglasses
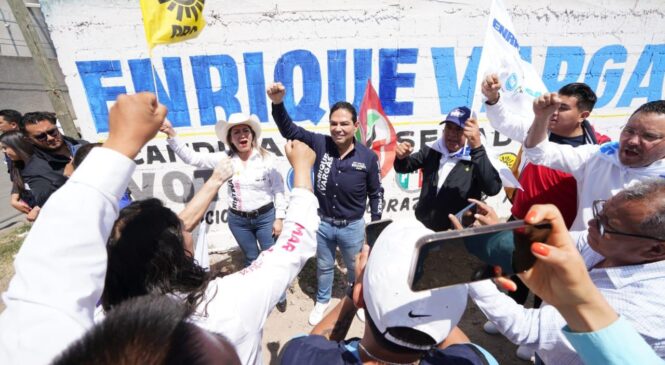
column 44, row 135
column 600, row 218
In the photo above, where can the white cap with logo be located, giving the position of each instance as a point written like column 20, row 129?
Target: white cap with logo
column 389, row 300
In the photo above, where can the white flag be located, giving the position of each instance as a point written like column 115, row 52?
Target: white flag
column 520, row 83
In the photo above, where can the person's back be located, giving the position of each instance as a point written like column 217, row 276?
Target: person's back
column 317, row 350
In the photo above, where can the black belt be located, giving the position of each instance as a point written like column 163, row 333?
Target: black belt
column 253, row 213
column 334, row 221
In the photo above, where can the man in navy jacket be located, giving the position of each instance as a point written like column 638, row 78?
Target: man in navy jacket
column 346, row 174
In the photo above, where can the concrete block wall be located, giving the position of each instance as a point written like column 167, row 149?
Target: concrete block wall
column 420, row 55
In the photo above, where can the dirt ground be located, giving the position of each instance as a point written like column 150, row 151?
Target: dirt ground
column 281, row 327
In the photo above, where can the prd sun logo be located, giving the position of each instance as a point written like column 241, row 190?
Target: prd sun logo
column 191, row 8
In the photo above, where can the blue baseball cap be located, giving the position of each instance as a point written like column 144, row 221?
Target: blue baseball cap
column 458, row 116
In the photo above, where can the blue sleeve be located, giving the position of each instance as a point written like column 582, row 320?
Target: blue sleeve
column 290, row 130
column 374, row 189
column 616, row 344
column 490, row 359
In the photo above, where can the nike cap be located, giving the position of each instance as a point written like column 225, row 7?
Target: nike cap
column 389, row 300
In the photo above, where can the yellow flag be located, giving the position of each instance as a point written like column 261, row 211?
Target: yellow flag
column 170, row 21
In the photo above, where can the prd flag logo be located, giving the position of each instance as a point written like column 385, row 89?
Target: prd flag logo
column 509, row 159
column 375, row 130
column 411, row 183
column 169, row 21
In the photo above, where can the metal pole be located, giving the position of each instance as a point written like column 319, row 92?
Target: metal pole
column 56, row 95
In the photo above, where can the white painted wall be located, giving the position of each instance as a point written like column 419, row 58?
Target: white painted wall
column 617, row 46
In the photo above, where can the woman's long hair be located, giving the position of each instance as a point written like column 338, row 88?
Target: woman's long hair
column 146, row 256
column 24, row 149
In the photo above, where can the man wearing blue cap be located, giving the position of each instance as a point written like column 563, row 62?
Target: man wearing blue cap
column 455, row 168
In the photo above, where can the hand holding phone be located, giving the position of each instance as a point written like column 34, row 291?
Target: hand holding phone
column 457, row 257
column 466, row 215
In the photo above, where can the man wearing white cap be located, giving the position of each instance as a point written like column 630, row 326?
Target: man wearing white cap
column 403, row 327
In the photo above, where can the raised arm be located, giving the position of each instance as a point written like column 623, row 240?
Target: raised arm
column 286, row 127
column 277, row 191
column 186, row 153
column 543, row 108
column 485, row 173
column 61, row 266
column 507, row 122
column 196, row 208
column 405, row 161
column 274, row 269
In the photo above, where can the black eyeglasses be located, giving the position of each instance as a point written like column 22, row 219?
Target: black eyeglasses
column 598, row 215
column 44, row 135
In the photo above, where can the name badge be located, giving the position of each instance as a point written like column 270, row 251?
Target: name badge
column 359, row 166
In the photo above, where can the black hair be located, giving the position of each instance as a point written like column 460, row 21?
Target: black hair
column 586, row 98
column 347, row 106
column 24, row 149
column 146, row 255
column 656, row 106
column 145, row 330
column 404, row 334
column 11, row 116
column 36, row 117
column 83, row 152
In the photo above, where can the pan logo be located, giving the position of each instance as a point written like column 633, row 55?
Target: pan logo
column 410, row 183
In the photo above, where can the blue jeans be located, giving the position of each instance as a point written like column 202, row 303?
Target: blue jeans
column 349, row 239
column 247, row 231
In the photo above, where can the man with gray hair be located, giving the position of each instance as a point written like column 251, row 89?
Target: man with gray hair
column 628, row 230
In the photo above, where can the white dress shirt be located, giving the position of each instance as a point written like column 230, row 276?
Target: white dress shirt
column 635, row 292
column 255, row 182
column 597, row 176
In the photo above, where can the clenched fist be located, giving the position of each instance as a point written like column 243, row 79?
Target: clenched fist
column 545, row 105
column 472, row 132
column 490, row 88
column 133, row 121
column 276, row 92
column 403, row 150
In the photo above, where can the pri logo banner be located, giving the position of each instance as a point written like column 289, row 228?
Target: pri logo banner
column 410, row 183
column 170, row 21
column 375, row 130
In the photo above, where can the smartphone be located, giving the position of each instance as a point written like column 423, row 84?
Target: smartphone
column 374, row 229
column 456, row 257
column 466, row 215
